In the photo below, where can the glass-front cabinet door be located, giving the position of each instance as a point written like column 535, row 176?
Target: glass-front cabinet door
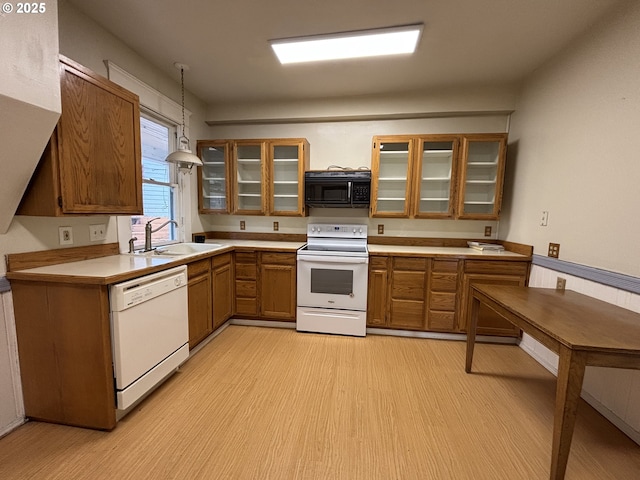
column 436, row 169
column 390, row 173
column 213, row 179
column 249, row 166
column 482, row 176
column 288, row 160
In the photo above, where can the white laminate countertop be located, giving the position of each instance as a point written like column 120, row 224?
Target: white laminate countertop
column 117, row 268
column 440, row 251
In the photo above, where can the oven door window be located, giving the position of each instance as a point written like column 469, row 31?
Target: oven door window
column 332, row 281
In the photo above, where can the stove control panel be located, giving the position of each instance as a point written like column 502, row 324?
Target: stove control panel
column 336, row 230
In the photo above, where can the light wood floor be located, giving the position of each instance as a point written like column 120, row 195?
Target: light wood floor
column 261, row 403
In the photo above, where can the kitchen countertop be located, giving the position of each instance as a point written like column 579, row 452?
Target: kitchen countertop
column 465, row 252
column 118, row 268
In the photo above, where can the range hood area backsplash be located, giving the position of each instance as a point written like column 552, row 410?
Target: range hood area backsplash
column 29, row 100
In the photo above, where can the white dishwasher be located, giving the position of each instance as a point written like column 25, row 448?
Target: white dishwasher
column 149, row 331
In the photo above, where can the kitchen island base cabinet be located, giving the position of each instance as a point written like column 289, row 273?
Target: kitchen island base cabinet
column 64, row 347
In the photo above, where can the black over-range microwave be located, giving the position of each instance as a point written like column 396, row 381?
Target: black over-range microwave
column 337, row 188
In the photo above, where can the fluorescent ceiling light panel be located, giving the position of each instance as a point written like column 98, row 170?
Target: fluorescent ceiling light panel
column 338, row 46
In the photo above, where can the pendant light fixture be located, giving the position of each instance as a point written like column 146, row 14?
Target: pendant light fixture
column 183, row 156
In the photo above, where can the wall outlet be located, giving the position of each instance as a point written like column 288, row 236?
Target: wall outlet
column 242, row 225
column 66, row 235
column 276, row 226
column 554, row 250
column 380, row 229
column 97, row 232
column 561, row 283
column 487, row 231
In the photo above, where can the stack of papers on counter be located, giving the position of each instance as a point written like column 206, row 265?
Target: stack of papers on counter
column 486, row 246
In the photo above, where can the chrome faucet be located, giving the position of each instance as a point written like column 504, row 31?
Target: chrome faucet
column 148, row 231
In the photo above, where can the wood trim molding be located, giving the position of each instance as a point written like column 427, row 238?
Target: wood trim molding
column 604, row 277
column 22, row 261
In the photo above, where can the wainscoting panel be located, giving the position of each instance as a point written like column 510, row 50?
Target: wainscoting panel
column 614, row 392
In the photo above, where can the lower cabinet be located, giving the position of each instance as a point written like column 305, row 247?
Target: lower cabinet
column 494, row 273
column 210, row 290
column 200, row 301
column 408, row 291
column 265, row 285
column 443, row 295
column 222, row 284
column 397, row 292
column 433, row 294
column 278, row 285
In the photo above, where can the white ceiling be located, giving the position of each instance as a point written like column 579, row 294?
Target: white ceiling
column 225, row 42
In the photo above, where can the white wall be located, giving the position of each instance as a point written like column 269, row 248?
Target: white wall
column 574, row 151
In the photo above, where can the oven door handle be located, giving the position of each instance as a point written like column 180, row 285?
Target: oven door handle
column 327, row 259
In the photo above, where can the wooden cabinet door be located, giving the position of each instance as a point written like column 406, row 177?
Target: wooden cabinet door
column 222, row 283
column 378, row 292
column 489, row 322
column 482, row 176
column 287, row 162
column 278, row 286
column 249, row 172
column 408, row 293
column 99, row 144
column 435, row 176
column 391, row 170
column 199, row 295
column 214, row 177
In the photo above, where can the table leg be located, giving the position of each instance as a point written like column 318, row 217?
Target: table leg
column 569, row 385
column 471, row 332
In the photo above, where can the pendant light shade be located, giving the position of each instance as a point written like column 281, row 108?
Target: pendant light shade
column 183, row 156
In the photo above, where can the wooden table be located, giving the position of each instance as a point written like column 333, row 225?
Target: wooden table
column 580, row 329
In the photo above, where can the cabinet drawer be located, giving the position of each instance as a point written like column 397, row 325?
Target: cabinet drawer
column 278, row 258
column 196, row 268
column 221, row 259
column 442, row 301
column 442, row 321
column 378, row 262
column 443, row 282
column 445, row 266
column 246, row 306
column 246, row 271
column 246, row 257
column 410, row 263
column 497, row 266
column 246, row 288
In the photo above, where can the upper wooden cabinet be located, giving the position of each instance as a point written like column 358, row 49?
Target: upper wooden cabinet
column 253, row 177
column 438, row 176
column 214, row 195
column 482, row 176
column 92, row 164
